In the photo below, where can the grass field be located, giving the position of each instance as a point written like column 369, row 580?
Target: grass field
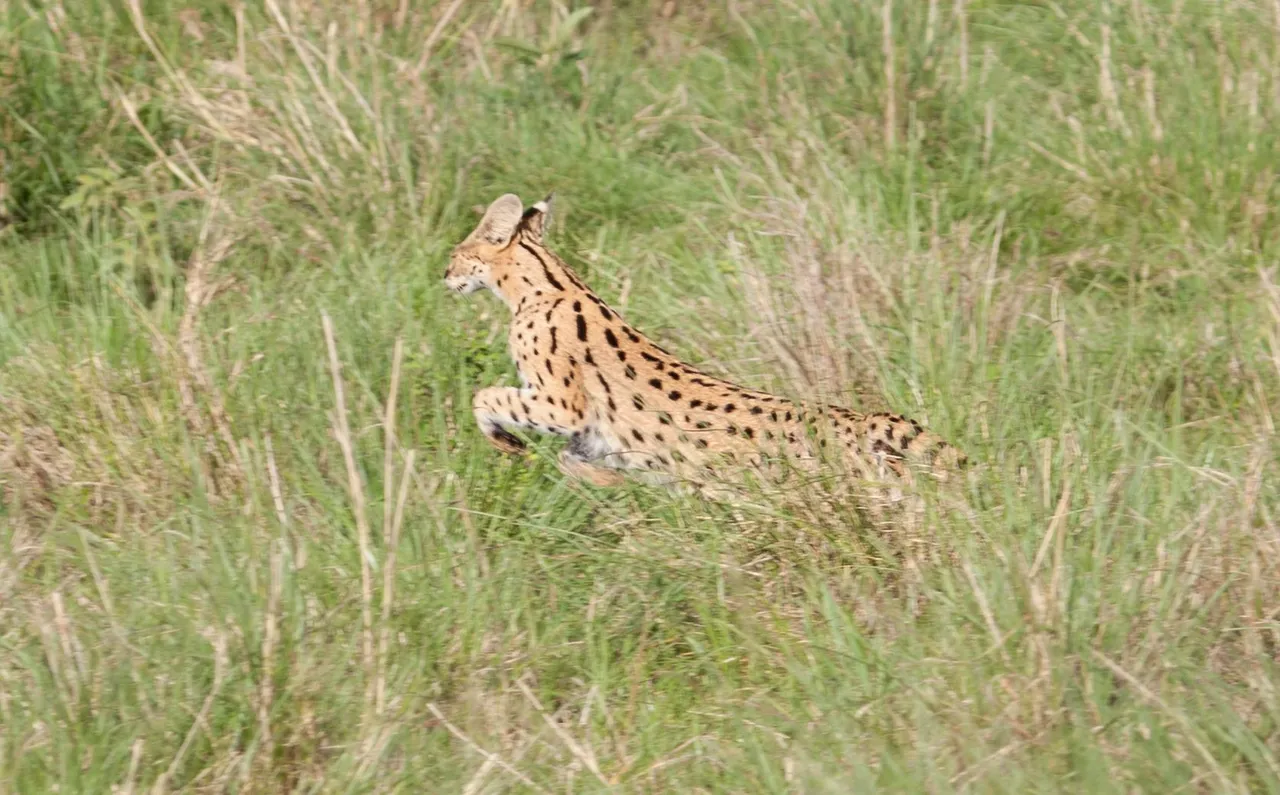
column 1048, row 229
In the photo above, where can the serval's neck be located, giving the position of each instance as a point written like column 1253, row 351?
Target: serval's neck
column 535, row 273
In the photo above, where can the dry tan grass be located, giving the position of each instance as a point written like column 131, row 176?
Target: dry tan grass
column 33, row 465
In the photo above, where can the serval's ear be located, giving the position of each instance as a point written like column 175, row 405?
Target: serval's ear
column 538, row 218
column 500, row 221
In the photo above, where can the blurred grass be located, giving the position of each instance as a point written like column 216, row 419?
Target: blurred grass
column 1048, row 229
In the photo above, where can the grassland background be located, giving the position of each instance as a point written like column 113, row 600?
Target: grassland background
column 1047, row 229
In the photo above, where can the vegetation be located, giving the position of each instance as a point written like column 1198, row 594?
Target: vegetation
column 1048, row 229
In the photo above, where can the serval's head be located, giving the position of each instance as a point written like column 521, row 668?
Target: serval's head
column 482, row 259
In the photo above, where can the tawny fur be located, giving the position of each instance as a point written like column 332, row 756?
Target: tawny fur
column 627, row 404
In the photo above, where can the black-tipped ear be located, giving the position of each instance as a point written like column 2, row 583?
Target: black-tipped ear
column 500, row 221
column 537, row 219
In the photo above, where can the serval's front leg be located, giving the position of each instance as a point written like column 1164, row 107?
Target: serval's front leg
column 577, row 460
column 500, row 409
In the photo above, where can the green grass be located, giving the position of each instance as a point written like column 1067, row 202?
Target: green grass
column 1056, row 252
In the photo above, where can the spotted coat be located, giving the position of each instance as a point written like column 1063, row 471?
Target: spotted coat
column 625, row 403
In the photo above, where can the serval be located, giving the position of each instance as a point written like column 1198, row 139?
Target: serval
column 625, row 403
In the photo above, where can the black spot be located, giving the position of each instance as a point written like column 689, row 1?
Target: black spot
column 629, row 372
column 530, row 324
column 656, row 383
column 733, row 429
column 604, row 383
column 712, row 406
column 677, row 457
column 582, row 328
column 674, row 394
column 622, row 356
column 658, row 437
column 604, row 312
column 611, row 338
column 553, row 339
column 637, row 401
column 648, row 357
column 788, row 416
column 591, row 360
column 631, row 335
column 749, row 433
column 757, row 410
column 702, row 425
column 881, row 447
column 577, row 306
column 702, row 443
column 664, row 418
column 504, row 435
column 612, row 406
column 728, row 409
column 674, row 375
column 693, row 404
column 566, row 380
column 524, row 406
column 549, row 370
column 639, row 436
column 888, row 432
